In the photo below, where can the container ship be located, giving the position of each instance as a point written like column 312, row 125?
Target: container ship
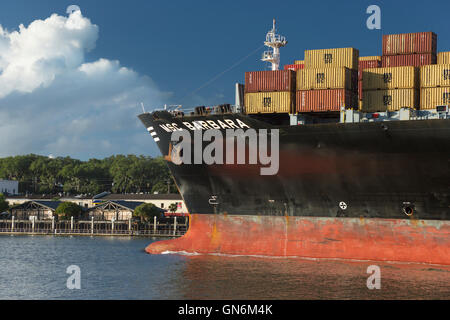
column 363, row 157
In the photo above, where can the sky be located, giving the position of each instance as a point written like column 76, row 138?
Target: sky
column 72, row 85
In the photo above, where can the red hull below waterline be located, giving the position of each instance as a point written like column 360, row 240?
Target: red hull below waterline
column 423, row 241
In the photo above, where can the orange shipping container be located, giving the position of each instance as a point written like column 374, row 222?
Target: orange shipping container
column 409, row 43
column 270, row 81
column 415, row 60
column 360, row 90
column 325, row 100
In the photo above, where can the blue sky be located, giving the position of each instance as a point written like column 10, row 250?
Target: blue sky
column 172, row 48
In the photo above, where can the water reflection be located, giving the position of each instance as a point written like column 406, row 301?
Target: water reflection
column 118, row 268
column 219, row 277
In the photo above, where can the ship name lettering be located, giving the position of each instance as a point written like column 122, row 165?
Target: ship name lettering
column 206, row 125
column 170, row 127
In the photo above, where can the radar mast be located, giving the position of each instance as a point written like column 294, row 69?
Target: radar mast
column 275, row 42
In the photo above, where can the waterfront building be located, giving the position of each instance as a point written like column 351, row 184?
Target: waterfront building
column 162, row 201
column 117, row 210
column 41, row 209
column 120, row 206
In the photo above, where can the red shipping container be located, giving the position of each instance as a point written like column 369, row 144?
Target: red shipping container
column 366, row 65
column 269, row 81
column 415, row 60
column 409, row 43
column 325, row 100
column 294, row 67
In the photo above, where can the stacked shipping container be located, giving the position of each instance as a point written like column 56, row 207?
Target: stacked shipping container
column 434, row 86
column 396, row 84
column 365, row 63
column 329, row 80
column 269, row 91
column 409, row 43
column 443, row 58
column 389, row 89
column 415, row 60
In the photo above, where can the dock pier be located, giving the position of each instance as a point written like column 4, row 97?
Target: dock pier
column 93, row 228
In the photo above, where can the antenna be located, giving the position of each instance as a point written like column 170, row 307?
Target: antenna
column 142, row 105
column 275, row 42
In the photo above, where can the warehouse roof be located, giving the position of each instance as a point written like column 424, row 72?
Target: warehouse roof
column 131, row 196
column 130, row 205
column 52, row 205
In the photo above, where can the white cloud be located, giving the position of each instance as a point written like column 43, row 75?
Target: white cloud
column 54, row 102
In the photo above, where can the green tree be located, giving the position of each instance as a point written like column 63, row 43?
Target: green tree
column 4, row 205
column 66, row 210
column 146, row 211
column 120, row 173
column 173, row 207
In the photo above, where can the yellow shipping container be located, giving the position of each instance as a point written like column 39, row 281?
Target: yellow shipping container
column 443, row 58
column 324, row 78
column 270, row 102
column 332, row 58
column 390, row 78
column 299, row 62
column 432, row 97
column 371, row 58
column 435, row 75
column 389, row 100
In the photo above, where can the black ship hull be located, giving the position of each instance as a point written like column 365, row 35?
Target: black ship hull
column 396, row 169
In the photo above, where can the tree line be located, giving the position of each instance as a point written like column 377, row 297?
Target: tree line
column 118, row 174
